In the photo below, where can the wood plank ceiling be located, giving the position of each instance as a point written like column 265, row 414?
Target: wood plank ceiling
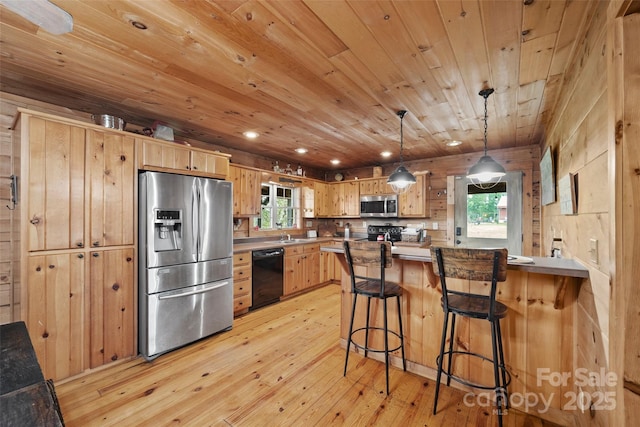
column 328, row 76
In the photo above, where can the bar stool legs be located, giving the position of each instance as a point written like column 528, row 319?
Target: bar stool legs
column 366, row 347
column 501, row 378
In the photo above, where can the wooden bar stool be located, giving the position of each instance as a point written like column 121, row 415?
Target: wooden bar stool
column 476, row 265
column 373, row 255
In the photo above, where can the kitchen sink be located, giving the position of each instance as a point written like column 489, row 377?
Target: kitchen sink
column 293, row 241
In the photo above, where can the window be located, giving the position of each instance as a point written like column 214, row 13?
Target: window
column 279, row 207
column 489, row 218
column 487, row 212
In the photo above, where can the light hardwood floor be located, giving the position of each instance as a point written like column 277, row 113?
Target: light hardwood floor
column 279, row 366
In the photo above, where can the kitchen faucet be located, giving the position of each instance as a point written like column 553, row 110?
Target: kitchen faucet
column 283, row 235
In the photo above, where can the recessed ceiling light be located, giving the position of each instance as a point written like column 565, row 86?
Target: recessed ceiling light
column 453, row 143
column 386, row 154
column 139, row 25
column 301, row 150
column 251, row 134
column 335, row 162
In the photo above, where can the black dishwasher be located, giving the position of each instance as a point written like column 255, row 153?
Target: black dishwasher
column 267, row 274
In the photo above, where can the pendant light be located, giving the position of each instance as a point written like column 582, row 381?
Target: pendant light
column 401, row 179
column 487, row 172
column 43, row 13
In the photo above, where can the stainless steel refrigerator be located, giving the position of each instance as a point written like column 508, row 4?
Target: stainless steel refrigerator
column 185, row 260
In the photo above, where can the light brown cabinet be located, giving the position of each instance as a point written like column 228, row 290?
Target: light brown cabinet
column 242, row 282
column 54, row 175
column 112, row 321
column 167, row 156
column 111, row 178
column 209, row 163
column 330, row 267
column 321, row 200
column 163, row 155
column 375, row 186
column 57, row 317
column 345, row 199
column 301, row 268
column 78, row 302
column 308, row 201
column 415, row 202
column 246, row 190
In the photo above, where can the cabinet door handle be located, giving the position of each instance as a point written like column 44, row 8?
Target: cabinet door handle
column 95, row 254
column 80, row 245
column 80, row 256
column 96, row 243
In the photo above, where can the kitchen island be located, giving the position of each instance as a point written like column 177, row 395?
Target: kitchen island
column 539, row 331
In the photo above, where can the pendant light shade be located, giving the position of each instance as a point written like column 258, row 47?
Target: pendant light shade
column 401, row 179
column 487, row 172
column 43, row 13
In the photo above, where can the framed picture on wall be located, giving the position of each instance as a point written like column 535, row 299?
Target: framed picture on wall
column 568, row 194
column 547, row 178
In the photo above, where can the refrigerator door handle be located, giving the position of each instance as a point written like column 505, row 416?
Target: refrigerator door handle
column 201, row 219
column 200, row 291
column 195, row 215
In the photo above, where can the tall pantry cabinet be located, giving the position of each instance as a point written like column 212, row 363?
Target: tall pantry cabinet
column 77, row 213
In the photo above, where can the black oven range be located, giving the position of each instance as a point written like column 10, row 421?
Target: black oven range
column 388, row 231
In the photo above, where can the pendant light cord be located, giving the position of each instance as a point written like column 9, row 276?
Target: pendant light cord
column 485, row 94
column 485, row 125
column 401, row 114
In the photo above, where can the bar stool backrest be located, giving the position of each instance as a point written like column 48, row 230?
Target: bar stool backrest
column 370, row 255
column 470, row 264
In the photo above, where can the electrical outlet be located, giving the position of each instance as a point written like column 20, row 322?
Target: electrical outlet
column 434, row 225
column 364, row 224
column 593, row 250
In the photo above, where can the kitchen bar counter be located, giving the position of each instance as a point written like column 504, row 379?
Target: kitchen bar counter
column 556, row 266
column 539, row 331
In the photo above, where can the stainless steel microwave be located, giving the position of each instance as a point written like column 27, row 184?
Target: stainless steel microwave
column 379, row 206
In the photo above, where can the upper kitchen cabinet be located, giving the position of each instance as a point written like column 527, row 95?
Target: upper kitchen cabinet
column 211, row 164
column 345, row 199
column 61, row 162
column 53, row 170
column 308, row 201
column 111, row 177
column 166, row 156
column 375, row 186
column 163, row 156
column 246, row 190
column 321, row 199
column 415, row 202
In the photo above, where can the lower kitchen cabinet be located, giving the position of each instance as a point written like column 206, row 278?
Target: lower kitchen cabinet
column 80, row 313
column 57, row 316
column 301, row 268
column 330, row 267
column 241, row 282
column 112, row 301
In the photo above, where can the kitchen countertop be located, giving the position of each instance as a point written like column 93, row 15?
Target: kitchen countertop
column 269, row 244
column 542, row 265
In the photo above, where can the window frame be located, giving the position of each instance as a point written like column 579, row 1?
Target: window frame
column 294, row 207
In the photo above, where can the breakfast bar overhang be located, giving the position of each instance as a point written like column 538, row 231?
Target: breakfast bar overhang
column 539, row 332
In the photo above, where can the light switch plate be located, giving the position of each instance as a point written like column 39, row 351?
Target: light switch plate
column 593, row 250
column 434, row 226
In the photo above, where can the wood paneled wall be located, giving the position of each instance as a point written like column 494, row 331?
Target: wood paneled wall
column 579, row 142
